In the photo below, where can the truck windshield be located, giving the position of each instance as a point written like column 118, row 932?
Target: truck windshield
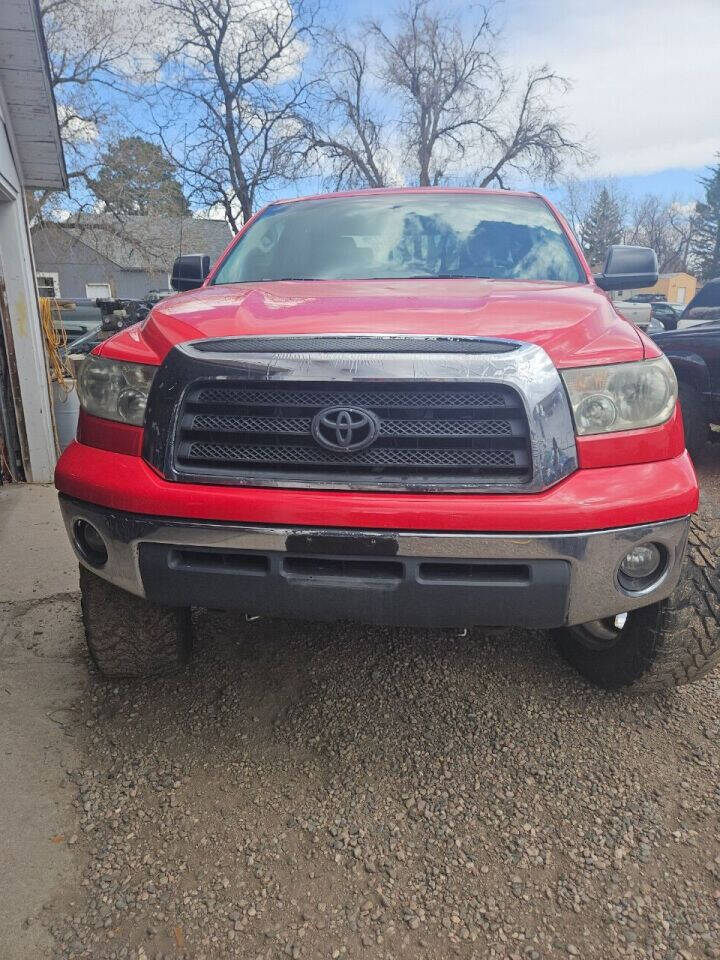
column 403, row 236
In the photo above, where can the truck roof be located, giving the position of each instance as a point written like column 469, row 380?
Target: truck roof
column 384, row 191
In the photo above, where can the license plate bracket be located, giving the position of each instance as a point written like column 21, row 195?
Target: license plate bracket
column 343, row 544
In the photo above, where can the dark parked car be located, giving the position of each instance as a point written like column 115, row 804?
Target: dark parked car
column 667, row 315
column 705, row 305
column 695, row 355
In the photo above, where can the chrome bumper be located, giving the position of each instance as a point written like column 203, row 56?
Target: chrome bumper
column 593, row 558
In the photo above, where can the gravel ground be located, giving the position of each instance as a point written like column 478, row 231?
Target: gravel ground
column 708, row 470
column 338, row 791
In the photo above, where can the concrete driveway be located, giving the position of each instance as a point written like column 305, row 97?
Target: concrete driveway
column 42, row 676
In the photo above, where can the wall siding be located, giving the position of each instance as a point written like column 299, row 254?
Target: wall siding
column 77, row 264
column 35, row 426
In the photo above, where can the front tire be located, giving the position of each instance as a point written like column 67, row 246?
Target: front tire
column 129, row 637
column 667, row 644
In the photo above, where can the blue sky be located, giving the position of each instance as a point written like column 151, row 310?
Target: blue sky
column 645, row 73
column 680, row 183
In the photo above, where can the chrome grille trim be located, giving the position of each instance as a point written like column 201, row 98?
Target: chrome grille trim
column 526, row 369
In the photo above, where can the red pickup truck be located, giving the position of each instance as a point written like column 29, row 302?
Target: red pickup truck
column 406, row 407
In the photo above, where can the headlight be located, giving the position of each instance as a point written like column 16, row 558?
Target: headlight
column 115, row 390
column 624, row 396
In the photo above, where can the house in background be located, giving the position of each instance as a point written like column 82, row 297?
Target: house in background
column 676, row 287
column 31, row 156
column 97, row 256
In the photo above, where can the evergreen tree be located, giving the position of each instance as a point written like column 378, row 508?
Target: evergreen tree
column 602, row 227
column 706, row 241
column 136, row 178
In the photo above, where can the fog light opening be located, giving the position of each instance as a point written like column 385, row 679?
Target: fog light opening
column 90, row 544
column 642, row 567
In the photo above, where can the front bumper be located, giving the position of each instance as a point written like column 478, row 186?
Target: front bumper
column 378, row 576
column 594, row 499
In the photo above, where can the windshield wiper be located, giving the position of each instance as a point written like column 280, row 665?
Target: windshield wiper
column 444, row 276
column 417, row 276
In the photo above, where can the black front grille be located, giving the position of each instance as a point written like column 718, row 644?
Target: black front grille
column 245, row 432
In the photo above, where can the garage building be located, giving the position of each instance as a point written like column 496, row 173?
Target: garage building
column 31, row 157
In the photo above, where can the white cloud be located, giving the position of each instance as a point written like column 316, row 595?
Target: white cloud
column 214, row 212
column 76, row 129
column 646, row 75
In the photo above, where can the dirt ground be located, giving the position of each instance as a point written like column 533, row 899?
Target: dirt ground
column 342, row 792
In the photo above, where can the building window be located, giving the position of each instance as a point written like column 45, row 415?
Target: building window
column 94, row 291
column 48, row 285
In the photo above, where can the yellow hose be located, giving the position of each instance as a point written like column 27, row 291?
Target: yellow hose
column 55, row 340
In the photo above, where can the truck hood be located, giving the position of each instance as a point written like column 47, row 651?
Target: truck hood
column 575, row 323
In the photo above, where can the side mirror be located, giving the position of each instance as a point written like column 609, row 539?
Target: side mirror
column 189, row 272
column 627, row 268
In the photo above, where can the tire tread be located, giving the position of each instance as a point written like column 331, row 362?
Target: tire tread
column 129, row 637
column 670, row 643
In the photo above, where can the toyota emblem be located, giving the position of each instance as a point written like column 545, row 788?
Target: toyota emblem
column 345, row 429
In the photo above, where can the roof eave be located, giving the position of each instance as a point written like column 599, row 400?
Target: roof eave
column 37, row 19
column 28, row 99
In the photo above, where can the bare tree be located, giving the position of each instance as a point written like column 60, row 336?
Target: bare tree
column 651, row 221
column 528, row 137
column 234, row 70
column 346, row 131
column 454, row 114
column 447, row 81
column 666, row 227
column 575, row 202
column 93, row 52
